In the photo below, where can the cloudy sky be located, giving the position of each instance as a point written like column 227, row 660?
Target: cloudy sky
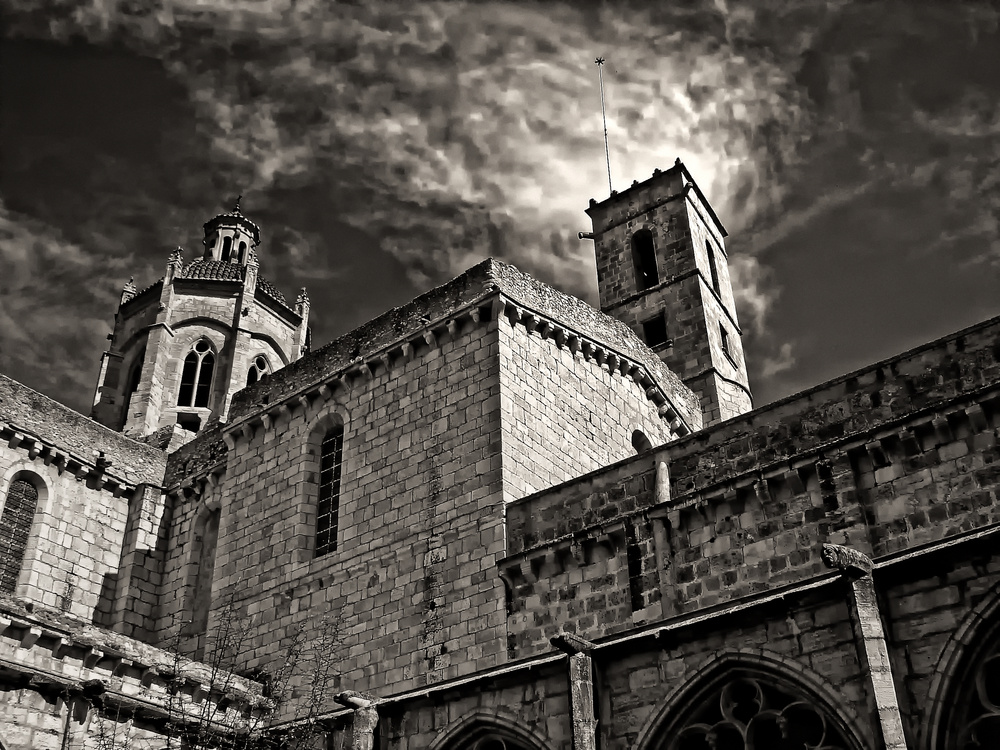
column 851, row 149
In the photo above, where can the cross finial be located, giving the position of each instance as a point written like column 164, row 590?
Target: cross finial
column 236, row 208
column 599, row 61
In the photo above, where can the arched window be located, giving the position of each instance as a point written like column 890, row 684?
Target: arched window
column 640, row 442
column 258, row 369
column 243, row 252
column 15, row 524
column 713, row 267
column 200, row 577
column 227, row 248
column 746, row 711
column 328, row 506
column 644, row 259
column 972, row 710
column 196, row 377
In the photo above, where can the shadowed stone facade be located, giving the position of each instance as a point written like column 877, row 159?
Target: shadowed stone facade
column 534, row 524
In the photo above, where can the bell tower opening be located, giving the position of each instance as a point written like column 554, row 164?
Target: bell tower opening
column 662, row 270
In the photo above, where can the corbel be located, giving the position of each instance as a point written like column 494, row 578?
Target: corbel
column 560, row 337
column 681, row 430
column 324, row 391
column 574, row 343
column 81, row 472
column 148, row 676
column 762, row 490
column 601, row 356
column 977, row 417
column 117, row 489
column 476, row 314
column 122, row 665
column 265, row 419
column 246, row 429
column 877, row 454
column 587, row 347
column 453, row 328
column 529, row 321
column 60, row 647
column 386, row 360
column 794, row 482
column 15, row 440
column 368, row 371
column 613, row 360
column 407, row 349
column 499, row 308
column 909, row 441
column 430, row 339
column 667, row 412
column 34, row 450
column 305, row 403
column 943, row 430
column 30, row 636
column 545, row 328
column 229, row 440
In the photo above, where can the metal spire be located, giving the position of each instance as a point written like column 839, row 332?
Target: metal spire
column 604, row 116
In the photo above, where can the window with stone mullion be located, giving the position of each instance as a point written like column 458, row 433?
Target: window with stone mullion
column 328, row 510
column 15, row 524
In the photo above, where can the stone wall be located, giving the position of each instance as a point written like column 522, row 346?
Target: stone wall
column 885, row 459
column 84, row 475
column 412, row 581
column 564, row 415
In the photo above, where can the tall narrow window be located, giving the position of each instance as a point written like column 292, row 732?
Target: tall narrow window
column 200, row 577
column 243, row 252
column 258, row 369
column 227, row 247
column 328, row 507
column 15, row 523
column 724, row 336
column 196, row 377
column 644, row 259
column 713, row 268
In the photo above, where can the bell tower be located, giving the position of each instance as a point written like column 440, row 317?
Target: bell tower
column 184, row 345
column 662, row 269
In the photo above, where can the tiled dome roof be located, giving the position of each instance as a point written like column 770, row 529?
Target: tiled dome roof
column 213, row 269
column 220, row 270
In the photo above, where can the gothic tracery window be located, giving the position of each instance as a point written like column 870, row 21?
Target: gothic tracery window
column 975, row 724
column 749, row 712
column 15, row 524
column 328, row 506
column 196, row 377
column 258, row 369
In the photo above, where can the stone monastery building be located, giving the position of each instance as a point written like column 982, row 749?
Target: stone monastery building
column 496, row 518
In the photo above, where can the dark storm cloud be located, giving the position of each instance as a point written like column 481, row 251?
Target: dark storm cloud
column 399, row 143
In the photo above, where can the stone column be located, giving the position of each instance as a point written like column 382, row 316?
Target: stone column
column 873, row 652
column 365, row 718
column 581, row 688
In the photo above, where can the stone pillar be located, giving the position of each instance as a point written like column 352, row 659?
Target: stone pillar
column 365, row 718
column 873, row 652
column 581, row 688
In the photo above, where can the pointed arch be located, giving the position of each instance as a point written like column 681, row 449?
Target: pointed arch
column 959, row 692
column 197, row 374
column 20, row 500
column 482, row 727
column 742, row 691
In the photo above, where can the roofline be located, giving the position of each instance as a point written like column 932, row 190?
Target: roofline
column 678, row 165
